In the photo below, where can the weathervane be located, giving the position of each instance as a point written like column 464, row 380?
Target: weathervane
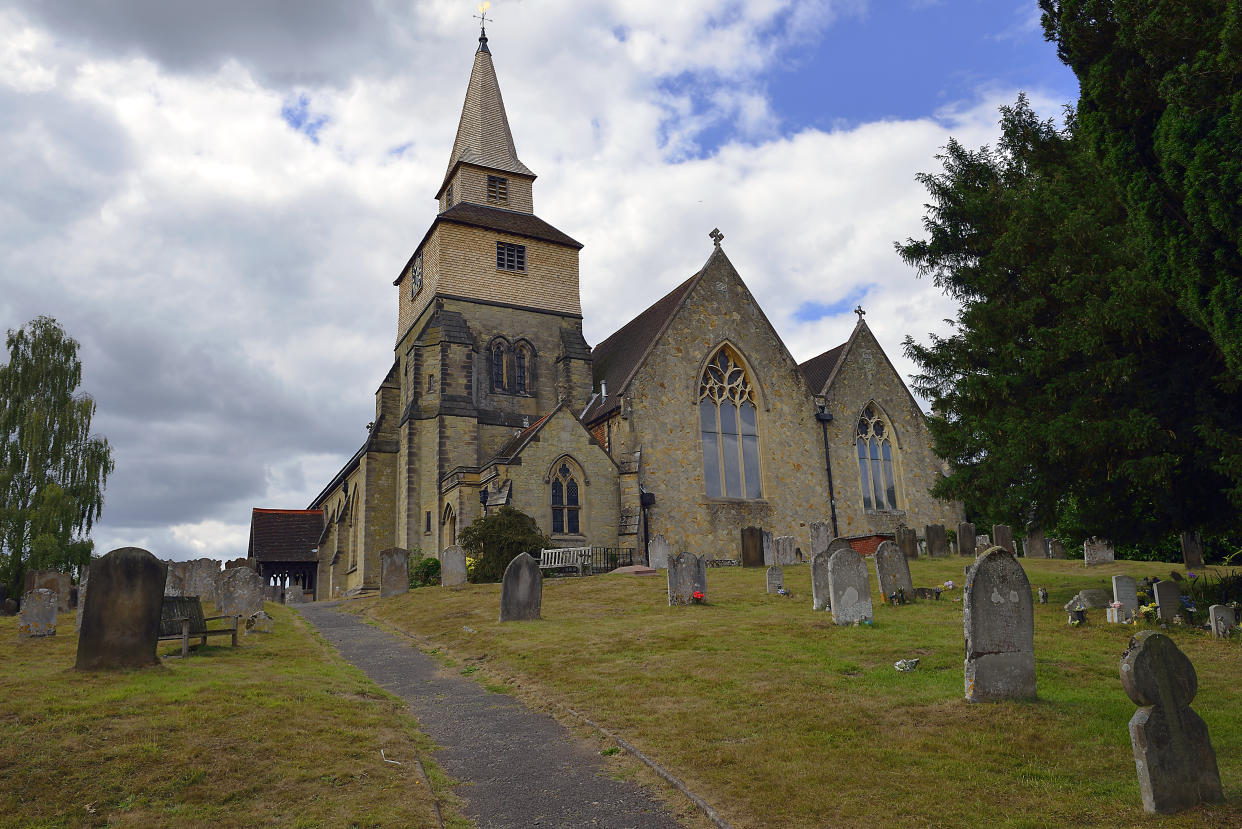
column 482, row 15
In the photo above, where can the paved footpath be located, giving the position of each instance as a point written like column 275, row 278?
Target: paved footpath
column 518, row 767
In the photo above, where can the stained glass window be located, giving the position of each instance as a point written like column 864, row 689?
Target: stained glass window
column 729, row 427
column 875, row 461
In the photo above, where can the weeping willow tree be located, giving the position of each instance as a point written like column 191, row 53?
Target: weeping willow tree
column 52, row 471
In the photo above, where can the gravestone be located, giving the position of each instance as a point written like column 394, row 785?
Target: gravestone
column 1172, row 752
column 10, row 607
column 687, row 574
column 821, row 536
column 1092, row 598
column 1222, row 619
column 1002, row 536
column 966, row 539
column 769, row 551
column 983, row 543
column 776, row 578
column 892, row 571
column 658, row 552
column 521, row 590
column 1168, row 600
column 999, row 619
column 77, row 619
column 38, row 614
column 394, row 572
column 294, row 594
column 259, row 623
column 201, row 578
column 1192, row 550
column 819, row 581
column 937, row 540
column 121, row 622
column 784, row 552
column 241, row 592
column 752, row 547
column 1035, row 545
column 174, row 586
column 1056, row 549
column 849, row 587
column 1126, row 592
column 453, row 566
column 908, row 541
column 1096, row 551
column 54, row 580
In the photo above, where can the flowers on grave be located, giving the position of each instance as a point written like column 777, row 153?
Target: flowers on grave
column 1148, row 612
column 698, row 597
column 1188, row 603
column 948, row 585
column 1191, row 575
column 1115, row 605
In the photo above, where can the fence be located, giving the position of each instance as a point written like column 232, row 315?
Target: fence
column 596, row 560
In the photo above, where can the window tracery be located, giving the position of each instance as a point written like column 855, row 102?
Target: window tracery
column 729, row 427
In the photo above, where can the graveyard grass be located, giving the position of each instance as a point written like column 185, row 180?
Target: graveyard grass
column 778, row 717
column 277, row 732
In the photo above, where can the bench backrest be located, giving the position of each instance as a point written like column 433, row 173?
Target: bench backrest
column 181, row 607
column 562, row 556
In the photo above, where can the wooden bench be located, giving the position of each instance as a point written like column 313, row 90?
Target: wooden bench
column 181, row 617
column 560, row 558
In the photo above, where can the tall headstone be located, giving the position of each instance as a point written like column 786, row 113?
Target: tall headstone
column 1192, row 549
column 394, row 572
column 37, row 616
column 849, row 587
column 1002, row 536
column 453, row 566
column 820, row 597
column 892, row 571
column 82, row 585
column 1223, row 620
column 752, row 547
column 121, row 622
column 1168, row 600
column 521, row 590
column 966, row 539
column 1096, row 551
column 785, row 546
column 769, row 549
column 241, row 592
column 658, row 552
column 1056, row 549
column 54, row 580
column 999, row 619
column 776, row 578
column 1125, row 591
column 908, row 541
column 202, row 579
column 175, row 585
column 1035, row 545
column 687, row 573
column 937, row 541
column 1172, row 752
column 821, row 537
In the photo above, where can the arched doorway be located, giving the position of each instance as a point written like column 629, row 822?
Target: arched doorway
column 450, row 526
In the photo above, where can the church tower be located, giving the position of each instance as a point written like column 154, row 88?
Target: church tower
column 489, row 334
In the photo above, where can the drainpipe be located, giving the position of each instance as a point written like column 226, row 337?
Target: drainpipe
column 825, row 417
column 646, row 499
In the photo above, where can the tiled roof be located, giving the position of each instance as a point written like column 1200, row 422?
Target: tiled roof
column 817, row 370
column 285, row 534
column 519, row 440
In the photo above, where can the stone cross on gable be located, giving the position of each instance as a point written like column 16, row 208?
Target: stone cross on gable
column 717, row 236
column 859, row 310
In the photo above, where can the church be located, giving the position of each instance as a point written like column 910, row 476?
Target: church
column 691, row 421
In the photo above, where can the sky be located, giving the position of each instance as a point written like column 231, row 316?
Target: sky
column 214, row 199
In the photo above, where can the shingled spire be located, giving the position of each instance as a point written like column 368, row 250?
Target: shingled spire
column 483, row 136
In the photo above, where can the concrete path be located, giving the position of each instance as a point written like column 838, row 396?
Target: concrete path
column 517, row 767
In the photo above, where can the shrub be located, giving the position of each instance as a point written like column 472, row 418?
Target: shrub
column 493, row 541
column 425, row 572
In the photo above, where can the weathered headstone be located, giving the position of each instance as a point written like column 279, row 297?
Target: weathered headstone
column 892, row 571
column 1092, row 598
column 776, row 578
column 54, row 580
column 849, row 587
column 1096, row 551
column 1035, row 545
column 1002, row 536
column 908, row 541
column 999, row 619
column 259, row 623
column 1125, row 591
column 452, row 566
column 1192, row 549
column 81, row 614
column 819, row 581
column 821, row 537
column 687, row 574
column 769, row 549
column 966, row 539
column 1222, row 619
column 937, row 540
column 38, row 614
column 658, row 552
column 1168, row 600
column 241, row 592
column 294, row 594
column 784, row 551
column 1056, row 549
column 521, row 590
column 394, row 572
column 1172, row 751
column 10, row 606
column 752, row 547
column 983, row 543
column 121, row 622
column 175, row 584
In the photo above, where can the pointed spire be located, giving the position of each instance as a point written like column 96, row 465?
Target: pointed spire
column 483, row 135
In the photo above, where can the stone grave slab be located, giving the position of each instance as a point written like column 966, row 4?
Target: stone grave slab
column 776, row 578
column 1096, row 551
column 658, row 552
column 453, row 566
column 752, row 547
column 241, row 592
column 54, row 580
column 819, row 581
column 37, row 617
column 1222, row 619
column 1192, row 550
column 999, row 621
column 521, row 590
column 785, row 550
column 908, row 541
column 821, row 537
column 394, row 572
column 769, row 549
column 937, row 540
column 966, row 539
column 687, row 573
column 1056, row 549
column 121, row 622
column 1035, row 545
column 849, row 587
column 1168, row 599
column 1125, row 590
column 892, row 571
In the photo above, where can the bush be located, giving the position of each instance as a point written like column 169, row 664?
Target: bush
column 492, row 542
column 425, row 572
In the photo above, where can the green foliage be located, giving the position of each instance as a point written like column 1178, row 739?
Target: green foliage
column 1161, row 106
column 52, row 471
column 493, row 541
column 425, row 572
column 1072, row 392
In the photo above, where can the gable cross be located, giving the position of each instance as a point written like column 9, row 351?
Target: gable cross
column 717, row 236
column 860, row 312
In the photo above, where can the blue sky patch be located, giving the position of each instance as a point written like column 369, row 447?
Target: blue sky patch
column 296, row 113
column 812, row 311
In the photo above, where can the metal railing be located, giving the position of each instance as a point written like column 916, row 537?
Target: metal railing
column 595, row 560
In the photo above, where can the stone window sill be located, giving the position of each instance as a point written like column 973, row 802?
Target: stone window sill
column 755, row 501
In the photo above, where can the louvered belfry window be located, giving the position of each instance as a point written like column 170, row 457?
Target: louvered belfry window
column 510, row 257
column 497, row 190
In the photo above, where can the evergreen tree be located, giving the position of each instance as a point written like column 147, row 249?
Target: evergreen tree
column 1072, row 391
column 52, row 471
column 495, row 540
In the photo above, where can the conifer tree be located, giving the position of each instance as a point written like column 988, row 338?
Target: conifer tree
column 52, row 471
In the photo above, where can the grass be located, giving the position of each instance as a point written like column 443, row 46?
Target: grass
column 777, row 717
column 278, row 732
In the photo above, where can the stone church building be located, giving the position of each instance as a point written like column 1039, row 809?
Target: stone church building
column 693, row 420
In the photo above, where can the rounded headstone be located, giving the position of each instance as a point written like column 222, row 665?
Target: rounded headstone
column 521, row 590
column 121, row 621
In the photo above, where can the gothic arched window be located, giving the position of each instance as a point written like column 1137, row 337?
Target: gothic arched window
column 875, row 461
column 499, row 358
column 566, row 507
column 523, row 368
column 727, row 421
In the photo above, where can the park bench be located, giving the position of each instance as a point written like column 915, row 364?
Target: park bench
column 181, row 617
column 561, row 558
